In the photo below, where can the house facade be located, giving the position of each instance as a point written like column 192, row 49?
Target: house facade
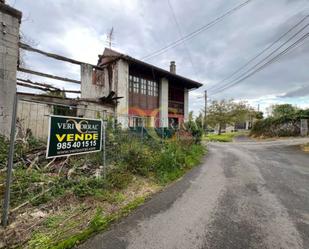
column 140, row 89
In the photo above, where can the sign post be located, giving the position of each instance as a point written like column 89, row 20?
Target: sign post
column 73, row 136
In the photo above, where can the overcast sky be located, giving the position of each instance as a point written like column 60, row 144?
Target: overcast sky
column 78, row 28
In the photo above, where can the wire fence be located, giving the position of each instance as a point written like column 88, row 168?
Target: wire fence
column 31, row 129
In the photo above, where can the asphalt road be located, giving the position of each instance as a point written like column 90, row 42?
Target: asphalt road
column 245, row 195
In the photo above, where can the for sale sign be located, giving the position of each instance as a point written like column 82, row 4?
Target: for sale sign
column 71, row 136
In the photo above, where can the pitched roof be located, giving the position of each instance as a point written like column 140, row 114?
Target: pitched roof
column 110, row 55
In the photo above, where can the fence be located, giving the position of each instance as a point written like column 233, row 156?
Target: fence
column 29, row 136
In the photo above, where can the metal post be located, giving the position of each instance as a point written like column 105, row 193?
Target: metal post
column 104, row 143
column 162, row 130
column 6, row 202
column 142, row 131
column 205, row 114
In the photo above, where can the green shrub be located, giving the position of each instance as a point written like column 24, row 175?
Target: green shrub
column 175, row 158
column 82, row 189
column 118, row 179
column 26, row 185
column 88, row 186
column 285, row 124
column 224, row 137
column 137, row 157
column 4, row 149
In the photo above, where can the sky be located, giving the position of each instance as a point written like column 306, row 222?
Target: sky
column 78, row 29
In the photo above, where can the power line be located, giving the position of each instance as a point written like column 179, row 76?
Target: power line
column 259, row 54
column 264, row 59
column 276, row 58
column 180, row 33
column 195, row 32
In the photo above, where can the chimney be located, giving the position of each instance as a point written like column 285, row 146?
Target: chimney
column 173, row 67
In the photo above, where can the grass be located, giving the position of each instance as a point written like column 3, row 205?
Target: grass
column 98, row 223
column 224, row 137
column 305, row 147
column 82, row 204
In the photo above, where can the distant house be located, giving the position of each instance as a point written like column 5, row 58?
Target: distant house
column 141, row 90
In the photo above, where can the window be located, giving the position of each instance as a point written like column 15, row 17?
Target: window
column 155, row 89
column 150, row 88
column 130, row 83
column 143, row 86
column 135, row 84
column 136, row 122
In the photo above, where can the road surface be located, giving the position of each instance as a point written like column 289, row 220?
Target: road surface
column 245, row 195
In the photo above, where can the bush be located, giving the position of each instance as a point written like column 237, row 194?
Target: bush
column 285, row 124
column 225, row 137
column 175, row 158
column 137, row 157
column 4, row 150
column 272, row 127
column 118, row 179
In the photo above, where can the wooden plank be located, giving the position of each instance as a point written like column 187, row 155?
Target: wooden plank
column 47, row 89
column 55, row 56
column 24, row 70
column 34, row 87
column 48, row 86
column 37, row 83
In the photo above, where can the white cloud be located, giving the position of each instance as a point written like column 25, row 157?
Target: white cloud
column 78, row 28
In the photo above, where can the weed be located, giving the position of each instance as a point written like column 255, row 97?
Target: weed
column 98, row 223
column 40, row 241
column 53, row 221
column 4, row 148
column 225, row 137
column 118, row 179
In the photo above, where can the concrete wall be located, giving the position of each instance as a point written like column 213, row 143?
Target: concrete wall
column 163, row 98
column 9, row 38
column 99, row 86
column 186, row 104
column 122, row 90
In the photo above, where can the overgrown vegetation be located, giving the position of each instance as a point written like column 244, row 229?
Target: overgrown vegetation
column 84, row 197
column 305, row 147
column 283, row 121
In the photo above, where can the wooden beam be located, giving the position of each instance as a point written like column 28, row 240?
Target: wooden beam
column 34, row 87
column 55, row 56
column 47, row 89
column 70, row 91
column 24, row 70
column 39, row 84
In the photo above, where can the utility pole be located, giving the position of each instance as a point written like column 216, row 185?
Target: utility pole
column 205, row 113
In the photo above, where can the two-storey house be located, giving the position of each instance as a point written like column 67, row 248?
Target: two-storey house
column 142, row 90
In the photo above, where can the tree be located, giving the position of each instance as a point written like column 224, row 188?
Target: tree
column 283, row 110
column 259, row 115
column 227, row 112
